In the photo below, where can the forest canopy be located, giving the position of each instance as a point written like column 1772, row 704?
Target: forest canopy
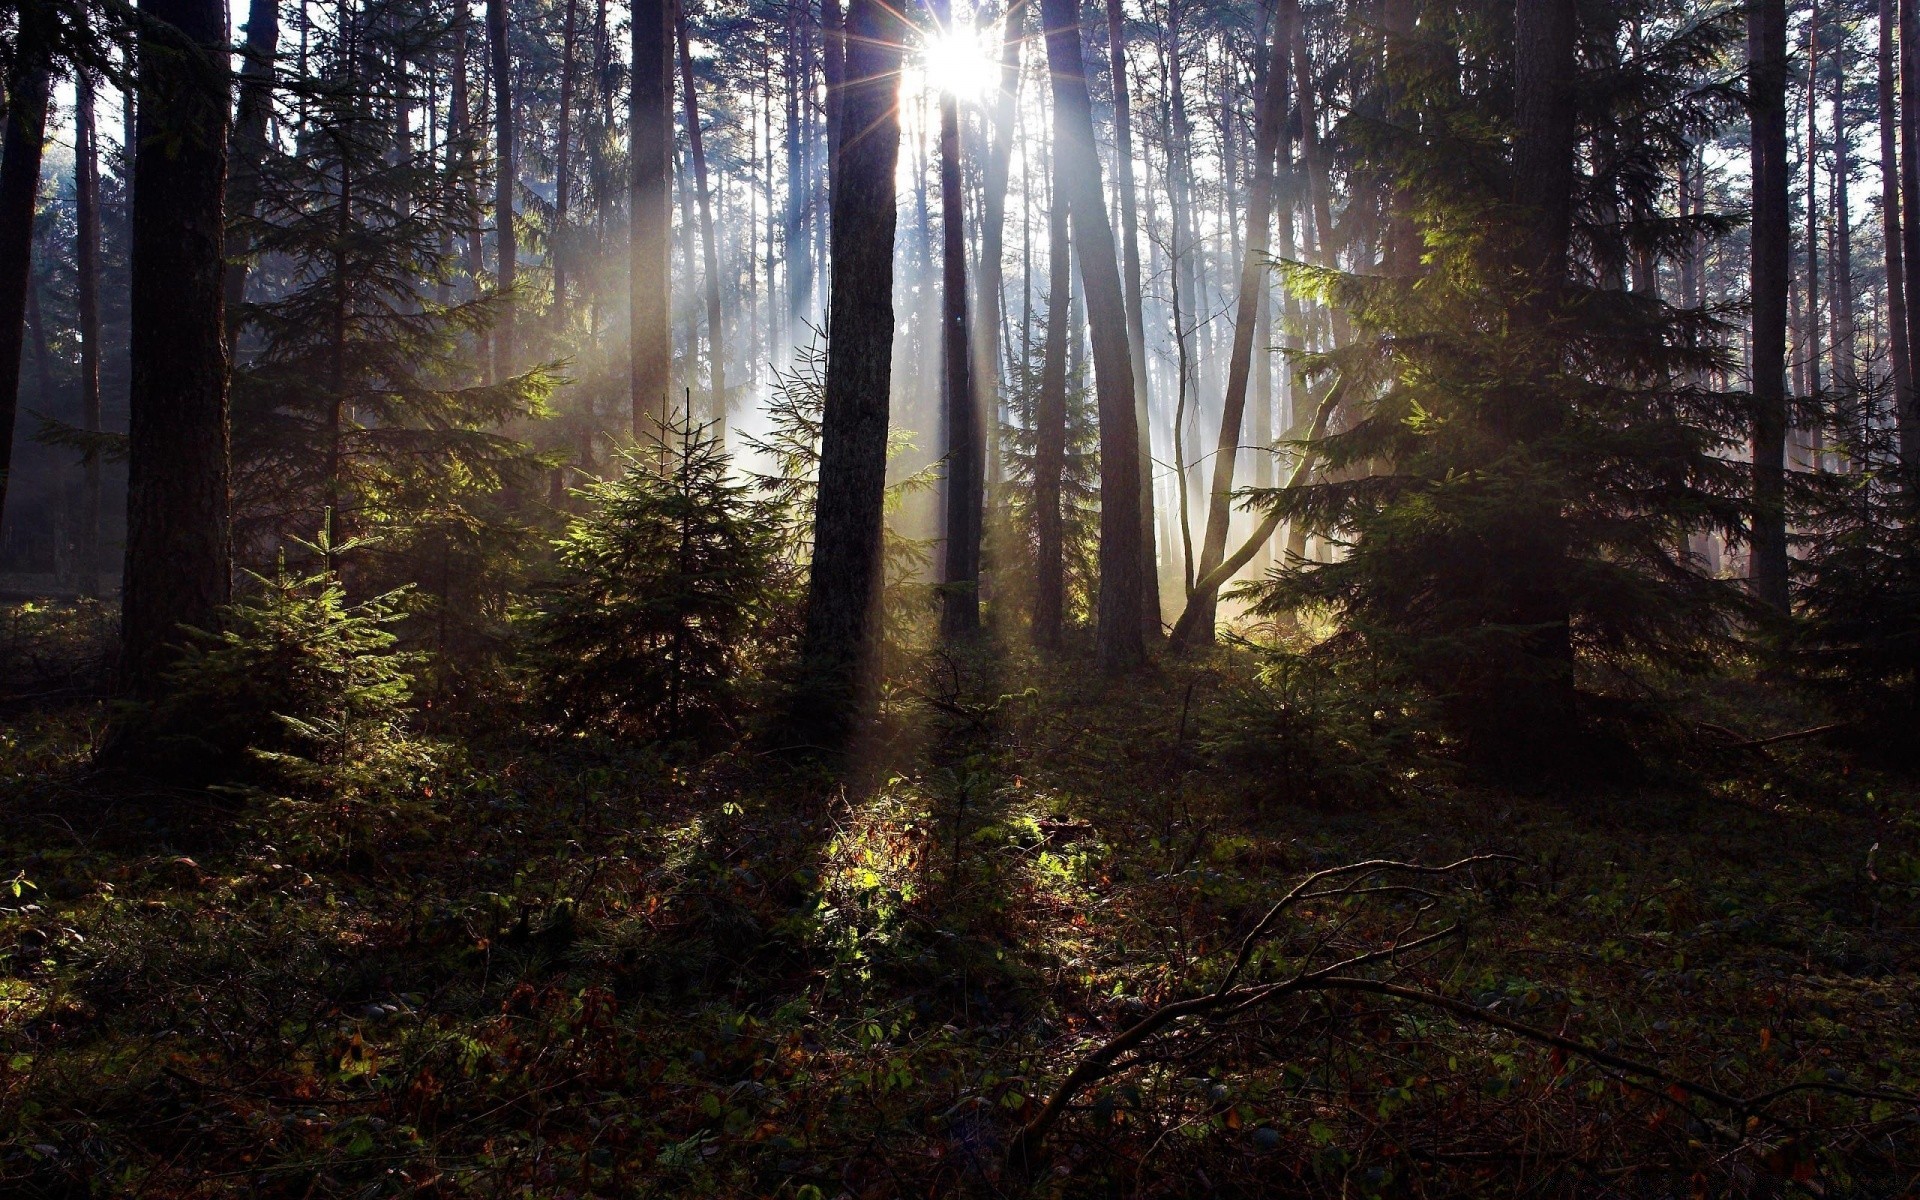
column 819, row 598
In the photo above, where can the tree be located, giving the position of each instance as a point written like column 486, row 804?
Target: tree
column 177, row 566
column 249, row 148
column 1120, row 643
column 837, row 655
column 87, row 299
column 1767, row 92
column 505, row 183
column 960, row 606
column 696, row 146
column 650, row 208
column 27, row 81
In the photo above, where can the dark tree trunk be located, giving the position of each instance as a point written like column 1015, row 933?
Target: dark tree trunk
column 1767, row 90
column 505, row 181
column 989, row 320
column 1195, row 626
column 1136, row 311
column 26, row 128
column 843, row 599
column 460, row 131
column 1908, row 417
column 248, row 151
column 1120, row 611
column 561, row 245
column 177, row 565
column 650, row 204
column 960, row 607
column 1813, row 204
column 86, row 256
column 696, row 146
column 1846, row 374
column 1050, row 419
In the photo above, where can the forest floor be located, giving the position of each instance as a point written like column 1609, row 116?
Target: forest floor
column 544, row 968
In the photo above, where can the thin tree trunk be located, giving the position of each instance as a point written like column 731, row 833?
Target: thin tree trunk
column 563, row 172
column 960, row 606
column 1136, row 310
column 1771, row 269
column 248, row 151
column 1846, row 374
column 696, row 145
column 1050, row 418
column 1906, row 414
column 26, row 125
column 505, row 180
column 86, row 256
column 1120, row 617
column 1813, row 204
column 990, row 317
column 1271, row 114
column 177, row 565
column 847, row 573
column 650, row 205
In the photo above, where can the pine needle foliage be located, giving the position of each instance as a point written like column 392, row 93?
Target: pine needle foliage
column 656, row 624
column 1513, row 477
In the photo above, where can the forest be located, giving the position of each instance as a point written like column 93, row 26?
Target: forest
column 831, row 600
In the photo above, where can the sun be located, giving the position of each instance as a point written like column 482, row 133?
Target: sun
column 959, row 60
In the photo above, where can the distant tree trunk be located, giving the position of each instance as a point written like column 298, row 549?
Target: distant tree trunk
column 960, row 606
column 988, row 314
column 696, row 146
column 1195, row 626
column 799, row 248
column 1136, row 311
column 1050, row 418
column 177, row 565
column 845, row 580
column 560, row 243
column 1771, row 268
column 248, row 151
column 1813, row 203
column 505, row 181
column 86, row 257
column 26, row 130
column 1846, row 374
column 1907, row 416
column 650, row 203
column 1120, row 617
column 466, row 167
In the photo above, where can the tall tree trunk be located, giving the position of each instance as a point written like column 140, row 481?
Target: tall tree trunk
column 505, row 182
column 1813, row 203
column 1050, row 418
column 1136, row 310
column 26, row 129
column 650, row 205
column 990, row 319
column 960, row 604
column 696, row 146
column 248, row 151
column 465, row 164
column 1767, row 92
column 798, row 242
column 845, row 580
column 1195, row 626
column 1846, row 375
column 1906, row 414
column 177, row 565
column 560, row 241
column 1120, row 617
column 86, row 256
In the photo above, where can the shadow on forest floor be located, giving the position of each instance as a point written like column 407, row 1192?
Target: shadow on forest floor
column 559, row 970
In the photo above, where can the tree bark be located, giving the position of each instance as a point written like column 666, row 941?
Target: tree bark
column 560, row 243
column 86, row 256
column 1771, row 267
column 1846, row 373
column 1120, row 611
column 650, row 205
column 177, row 564
column 1270, row 115
column 696, row 146
column 1813, row 203
column 1050, row 420
column 1907, row 416
column 26, row 130
column 846, row 577
column 1136, row 312
column 505, row 181
column 248, row 151
column 960, row 603
column 988, row 349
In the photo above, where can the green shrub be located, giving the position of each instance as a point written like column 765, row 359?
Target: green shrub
column 297, row 684
column 667, row 599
